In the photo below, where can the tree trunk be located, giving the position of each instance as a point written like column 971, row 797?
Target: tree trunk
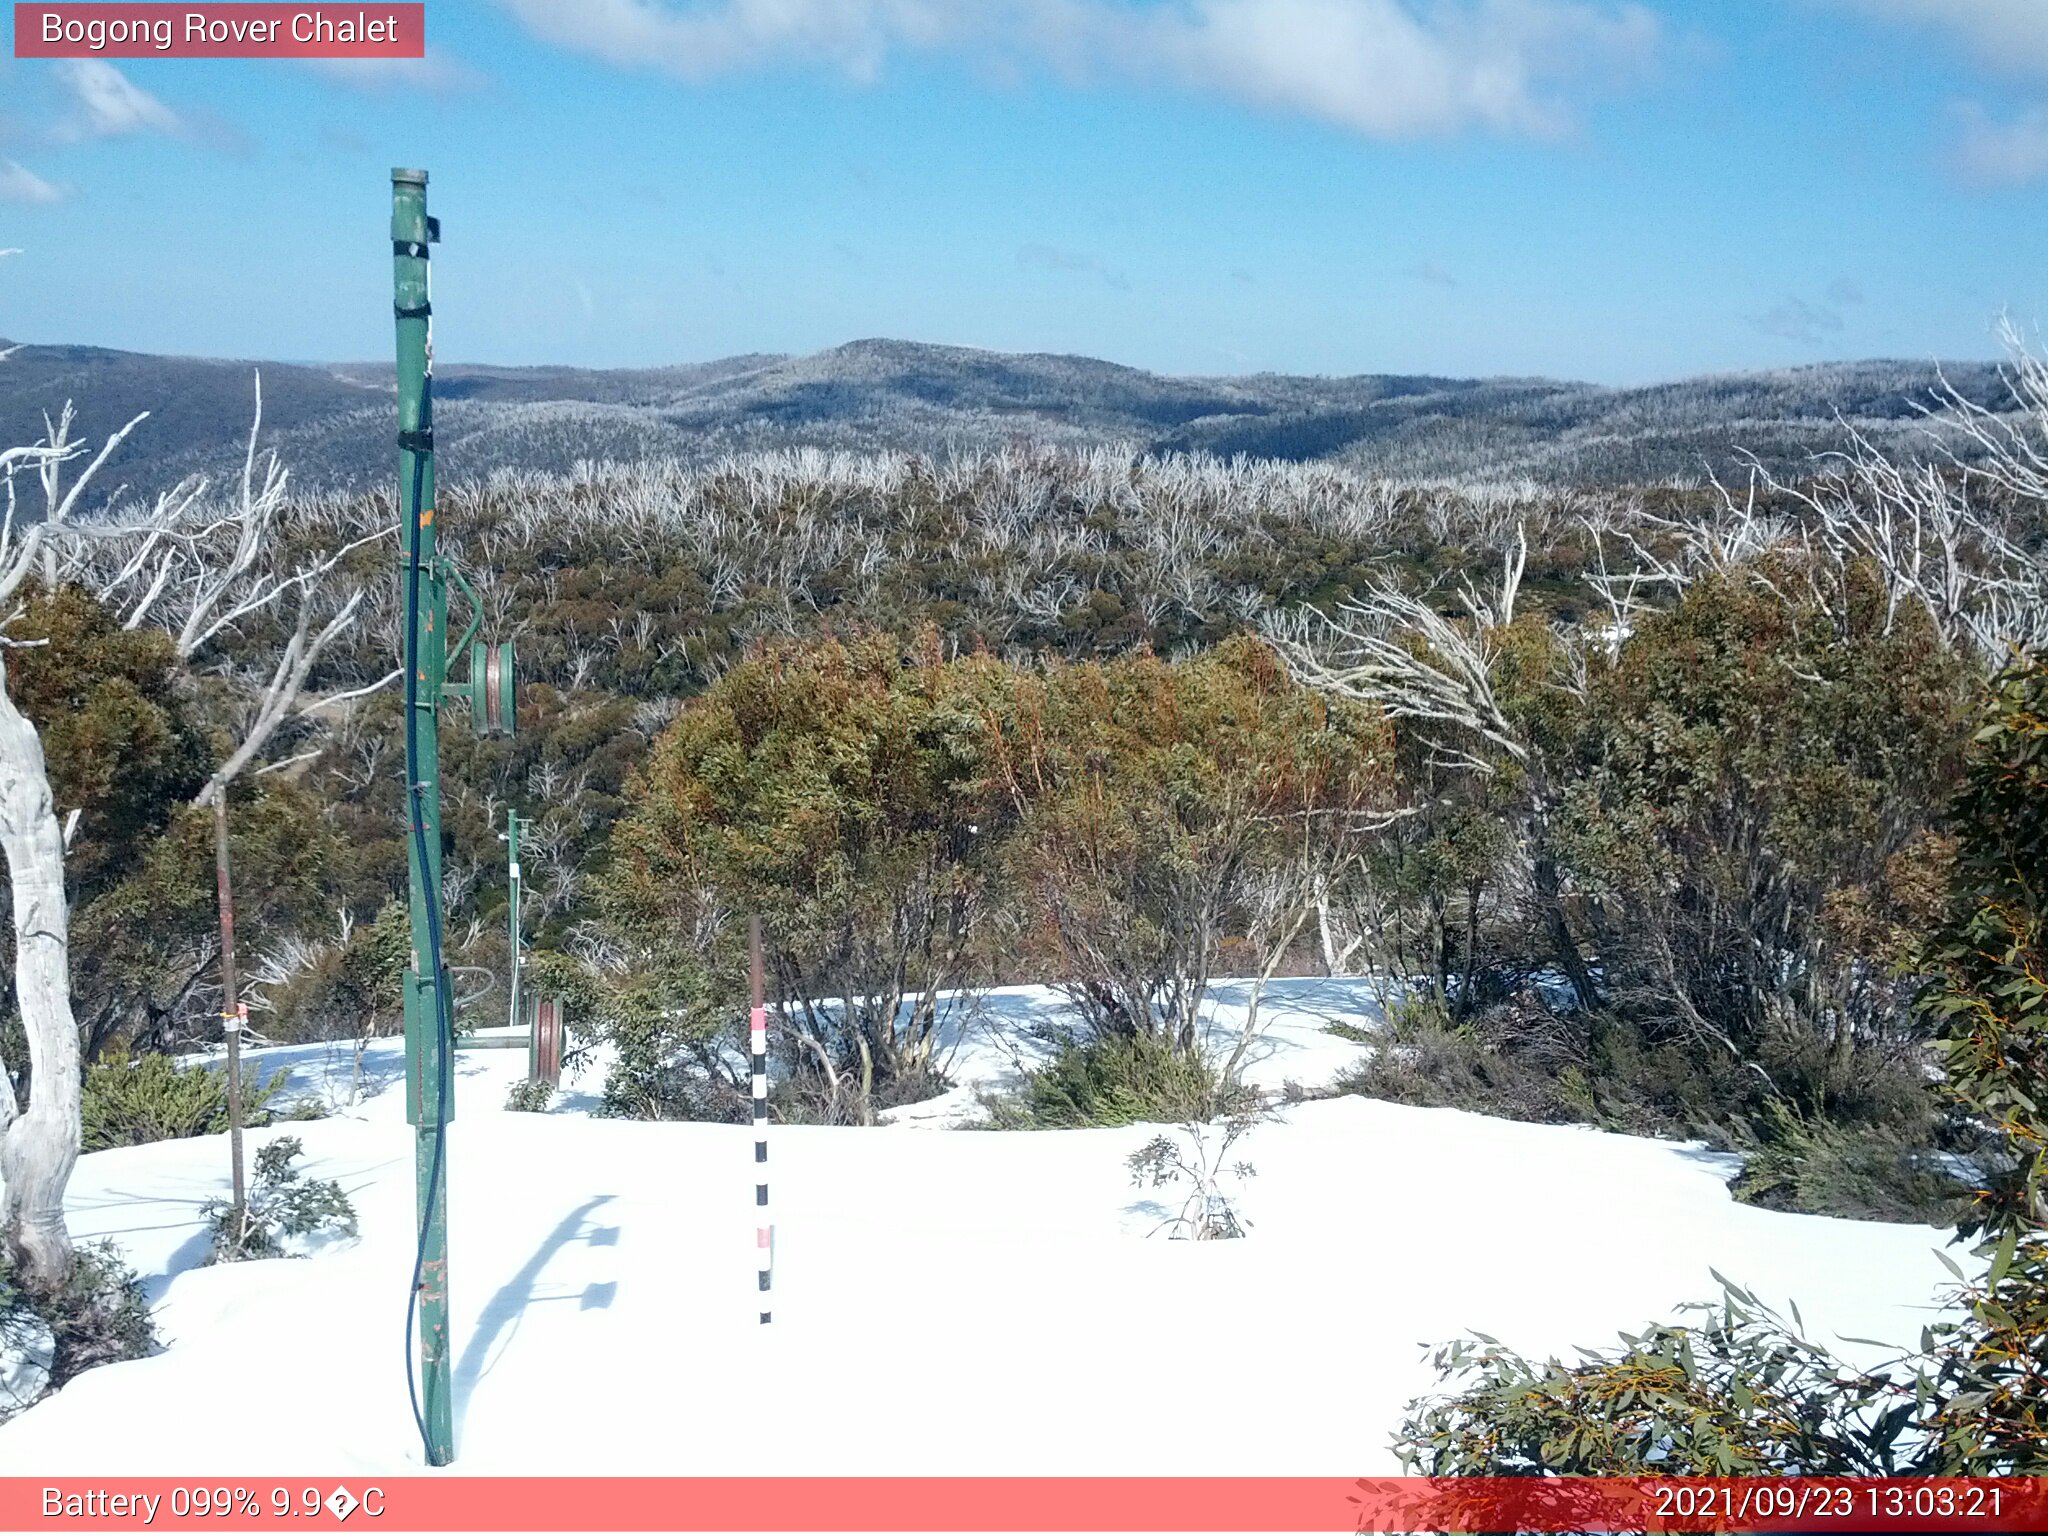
column 230, row 1010
column 1466, row 979
column 1327, row 939
column 1550, row 902
column 1440, row 928
column 41, row 1146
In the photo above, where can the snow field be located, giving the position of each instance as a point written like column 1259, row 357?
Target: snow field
column 946, row 1301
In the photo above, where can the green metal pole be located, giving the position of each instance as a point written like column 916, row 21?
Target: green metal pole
column 427, row 1046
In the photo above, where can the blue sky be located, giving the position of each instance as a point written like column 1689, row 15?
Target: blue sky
column 1591, row 189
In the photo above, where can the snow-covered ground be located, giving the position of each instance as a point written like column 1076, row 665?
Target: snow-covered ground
column 945, row 1300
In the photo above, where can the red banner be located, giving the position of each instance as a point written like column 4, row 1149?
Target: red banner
column 452, row 1503
column 237, row 31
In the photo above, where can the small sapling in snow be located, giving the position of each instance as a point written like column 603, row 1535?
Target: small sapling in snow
column 1198, row 1158
column 285, row 1213
column 530, row 1096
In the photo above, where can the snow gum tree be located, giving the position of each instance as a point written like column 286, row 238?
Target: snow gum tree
column 1485, row 693
column 1742, row 1391
column 1756, row 796
column 1713, row 822
column 840, row 791
column 1164, row 807
column 906, row 824
column 123, row 750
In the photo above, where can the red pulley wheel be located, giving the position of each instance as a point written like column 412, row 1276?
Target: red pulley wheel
column 548, row 1026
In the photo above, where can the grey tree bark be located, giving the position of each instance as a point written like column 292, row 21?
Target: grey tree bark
column 39, row 1147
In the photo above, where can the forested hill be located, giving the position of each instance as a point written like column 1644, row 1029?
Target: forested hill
column 332, row 423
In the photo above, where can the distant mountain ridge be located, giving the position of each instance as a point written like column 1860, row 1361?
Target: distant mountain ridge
column 333, row 425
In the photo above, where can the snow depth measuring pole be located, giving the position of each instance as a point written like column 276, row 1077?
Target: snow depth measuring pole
column 429, row 1006
column 757, row 1039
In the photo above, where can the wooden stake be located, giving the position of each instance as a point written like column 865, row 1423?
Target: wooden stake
column 230, row 1005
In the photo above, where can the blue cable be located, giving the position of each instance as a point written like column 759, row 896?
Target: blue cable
column 432, row 897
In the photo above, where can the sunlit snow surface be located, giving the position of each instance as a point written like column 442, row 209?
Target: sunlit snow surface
column 945, row 1300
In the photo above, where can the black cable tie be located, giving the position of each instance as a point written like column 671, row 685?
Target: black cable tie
column 409, row 248
column 412, row 311
column 417, row 442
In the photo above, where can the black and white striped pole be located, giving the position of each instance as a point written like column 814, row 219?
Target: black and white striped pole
column 757, row 1028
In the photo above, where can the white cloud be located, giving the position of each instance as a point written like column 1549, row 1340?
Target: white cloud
column 106, row 104
column 2010, row 35
column 18, row 184
column 1385, row 68
column 2007, row 36
column 439, row 70
column 1434, row 273
column 1991, row 152
column 1391, row 70
column 109, row 104
column 702, row 41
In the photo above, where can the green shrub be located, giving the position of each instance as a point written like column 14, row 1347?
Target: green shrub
column 1989, row 1001
column 282, row 1205
column 1003, row 1110
column 1153, row 796
column 1987, row 1371
column 1483, row 1065
column 664, row 1025
column 842, row 791
column 1835, row 1134
column 152, row 1098
column 1119, row 1080
column 99, row 1315
column 1739, row 1395
column 530, row 1095
column 1744, row 1393
column 664, row 1032
column 351, row 988
column 1865, row 1172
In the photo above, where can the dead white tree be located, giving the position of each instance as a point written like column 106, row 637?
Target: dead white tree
column 199, row 573
column 1393, row 648
column 39, row 1145
column 222, row 571
column 1945, row 533
column 224, row 574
